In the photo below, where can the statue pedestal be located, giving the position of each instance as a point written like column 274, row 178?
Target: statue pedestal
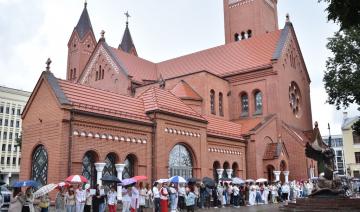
column 328, row 204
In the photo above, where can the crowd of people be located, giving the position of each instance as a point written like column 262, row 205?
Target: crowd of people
column 163, row 196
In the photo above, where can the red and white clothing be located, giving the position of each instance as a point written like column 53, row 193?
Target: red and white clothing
column 164, row 199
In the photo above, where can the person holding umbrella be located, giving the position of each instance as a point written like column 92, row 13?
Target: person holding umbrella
column 60, row 200
column 70, row 200
column 80, row 195
column 112, row 199
column 28, row 201
column 16, row 204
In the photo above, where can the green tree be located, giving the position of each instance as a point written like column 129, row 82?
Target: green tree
column 344, row 12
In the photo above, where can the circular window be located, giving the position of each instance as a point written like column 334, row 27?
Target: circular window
column 295, row 99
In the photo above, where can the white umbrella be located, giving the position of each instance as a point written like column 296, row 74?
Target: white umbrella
column 163, row 180
column 249, row 180
column 44, row 190
column 261, row 180
column 237, row 181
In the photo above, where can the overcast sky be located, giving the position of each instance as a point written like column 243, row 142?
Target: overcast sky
column 33, row 30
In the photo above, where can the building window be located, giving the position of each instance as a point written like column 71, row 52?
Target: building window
column 4, row 135
column 180, row 162
column 109, row 169
column 74, row 74
column 10, row 136
column 356, row 174
column 97, row 76
column 357, row 157
column 3, row 147
column 14, row 161
column 17, row 123
column 221, row 108
column 249, row 33
column 11, row 123
column 2, row 160
column 12, row 111
column 236, row 37
column 0, row 121
column 356, row 137
column 212, row 102
column 16, row 135
column 18, row 112
column 243, row 36
column 39, row 165
column 244, row 104
column 102, row 74
column 88, row 168
column 6, row 122
column 1, row 109
column 7, row 110
column 8, row 160
column 129, row 169
column 258, row 103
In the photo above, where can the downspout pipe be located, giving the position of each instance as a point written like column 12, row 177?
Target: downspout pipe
column 153, row 150
column 70, row 142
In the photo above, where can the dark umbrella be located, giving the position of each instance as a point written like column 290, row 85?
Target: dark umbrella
column 208, row 182
column 110, row 179
column 26, row 183
column 191, row 180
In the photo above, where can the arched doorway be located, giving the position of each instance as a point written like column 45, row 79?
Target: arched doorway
column 39, row 165
column 270, row 173
column 216, row 165
column 226, row 166
column 129, row 169
column 235, row 168
column 283, row 168
column 110, row 161
column 180, row 162
column 88, row 167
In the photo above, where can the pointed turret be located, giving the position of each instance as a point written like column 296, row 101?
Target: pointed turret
column 84, row 24
column 127, row 44
column 80, row 46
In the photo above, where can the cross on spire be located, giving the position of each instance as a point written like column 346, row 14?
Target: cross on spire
column 127, row 16
column 85, row 3
column 48, row 62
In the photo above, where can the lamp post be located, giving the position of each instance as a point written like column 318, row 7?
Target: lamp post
column 330, row 143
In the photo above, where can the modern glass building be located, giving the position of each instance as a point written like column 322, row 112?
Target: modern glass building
column 12, row 102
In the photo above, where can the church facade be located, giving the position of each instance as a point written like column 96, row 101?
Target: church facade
column 240, row 109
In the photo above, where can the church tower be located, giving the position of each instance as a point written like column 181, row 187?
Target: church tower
column 80, row 46
column 246, row 18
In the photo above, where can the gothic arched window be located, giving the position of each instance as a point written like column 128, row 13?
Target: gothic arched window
column 258, row 103
column 180, row 162
column 243, row 36
column 129, row 169
column 249, row 33
column 88, row 168
column 109, row 169
column 74, row 74
column 212, row 102
column 221, row 108
column 244, row 104
column 39, row 165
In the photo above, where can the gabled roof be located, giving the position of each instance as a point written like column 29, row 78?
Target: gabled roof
column 84, row 24
column 302, row 137
column 184, row 91
column 223, row 128
column 92, row 100
column 251, row 125
column 127, row 44
column 140, row 69
column 156, row 99
column 224, row 60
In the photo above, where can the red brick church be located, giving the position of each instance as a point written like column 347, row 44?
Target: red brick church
column 239, row 109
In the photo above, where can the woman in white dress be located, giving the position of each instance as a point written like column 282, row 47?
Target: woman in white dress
column 252, row 194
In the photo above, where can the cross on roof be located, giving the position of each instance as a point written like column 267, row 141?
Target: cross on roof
column 48, row 62
column 127, row 16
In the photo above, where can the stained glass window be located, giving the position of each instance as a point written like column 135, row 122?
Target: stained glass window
column 129, row 168
column 212, row 101
column 109, row 169
column 180, row 162
column 294, row 98
column 258, row 102
column 88, row 168
column 244, row 105
column 39, row 166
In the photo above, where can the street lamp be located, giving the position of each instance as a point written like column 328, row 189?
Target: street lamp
column 330, row 144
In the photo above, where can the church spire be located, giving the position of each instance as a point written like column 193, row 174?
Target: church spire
column 84, row 24
column 127, row 44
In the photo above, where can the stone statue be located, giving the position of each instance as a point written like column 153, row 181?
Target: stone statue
column 317, row 150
